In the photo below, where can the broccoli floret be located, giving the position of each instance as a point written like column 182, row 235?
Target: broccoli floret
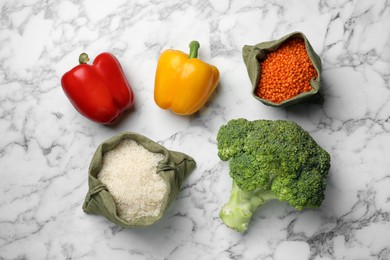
column 232, row 141
column 270, row 160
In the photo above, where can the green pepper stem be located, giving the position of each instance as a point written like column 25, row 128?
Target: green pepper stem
column 194, row 46
column 83, row 58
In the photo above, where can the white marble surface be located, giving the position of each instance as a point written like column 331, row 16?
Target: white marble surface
column 46, row 146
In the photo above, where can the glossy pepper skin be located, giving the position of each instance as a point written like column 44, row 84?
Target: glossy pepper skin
column 100, row 91
column 184, row 83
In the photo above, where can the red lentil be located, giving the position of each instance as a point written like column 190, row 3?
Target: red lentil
column 286, row 72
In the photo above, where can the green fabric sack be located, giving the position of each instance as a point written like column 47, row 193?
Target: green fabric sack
column 253, row 55
column 174, row 169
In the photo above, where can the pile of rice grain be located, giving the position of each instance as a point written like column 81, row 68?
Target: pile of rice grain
column 129, row 172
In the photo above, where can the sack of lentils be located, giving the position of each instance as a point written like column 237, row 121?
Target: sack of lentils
column 285, row 71
column 132, row 179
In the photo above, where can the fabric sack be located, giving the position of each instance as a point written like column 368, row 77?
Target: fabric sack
column 174, row 169
column 253, row 55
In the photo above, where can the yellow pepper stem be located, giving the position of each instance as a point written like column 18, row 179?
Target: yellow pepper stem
column 194, row 46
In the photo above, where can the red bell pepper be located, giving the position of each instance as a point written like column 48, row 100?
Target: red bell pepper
column 99, row 91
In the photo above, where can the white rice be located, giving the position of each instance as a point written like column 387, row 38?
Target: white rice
column 129, row 172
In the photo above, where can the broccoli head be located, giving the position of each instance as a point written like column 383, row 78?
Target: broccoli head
column 270, row 160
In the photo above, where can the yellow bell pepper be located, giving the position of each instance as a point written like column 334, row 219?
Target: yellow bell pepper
column 184, row 83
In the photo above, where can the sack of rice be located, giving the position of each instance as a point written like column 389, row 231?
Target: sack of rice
column 132, row 179
column 284, row 72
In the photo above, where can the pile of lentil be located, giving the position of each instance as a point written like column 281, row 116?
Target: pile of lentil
column 286, row 72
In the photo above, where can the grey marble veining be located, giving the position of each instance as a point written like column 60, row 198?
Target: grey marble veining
column 46, row 146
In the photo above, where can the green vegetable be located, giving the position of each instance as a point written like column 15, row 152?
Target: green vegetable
column 270, row 160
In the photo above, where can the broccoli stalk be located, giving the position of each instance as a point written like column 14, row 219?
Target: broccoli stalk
column 237, row 213
column 270, row 160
